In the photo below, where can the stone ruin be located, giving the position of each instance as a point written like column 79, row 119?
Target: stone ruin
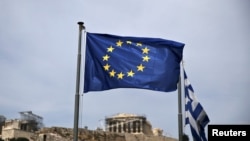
column 120, row 127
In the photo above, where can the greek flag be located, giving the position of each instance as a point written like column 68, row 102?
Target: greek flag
column 196, row 117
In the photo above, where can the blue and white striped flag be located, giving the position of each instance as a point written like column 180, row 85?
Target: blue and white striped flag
column 196, row 117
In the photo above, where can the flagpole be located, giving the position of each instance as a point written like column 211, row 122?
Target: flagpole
column 180, row 124
column 77, row 94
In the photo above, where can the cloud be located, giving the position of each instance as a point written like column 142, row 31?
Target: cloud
column 38, row 52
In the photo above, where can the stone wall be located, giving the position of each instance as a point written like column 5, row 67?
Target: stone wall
column 66, row 134
column 15, row 133
column 141, row 137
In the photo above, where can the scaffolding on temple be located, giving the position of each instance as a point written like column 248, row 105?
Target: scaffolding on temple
column 30, row 117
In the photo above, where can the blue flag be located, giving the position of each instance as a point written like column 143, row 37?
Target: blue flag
column 113, row 61
column 196, row 116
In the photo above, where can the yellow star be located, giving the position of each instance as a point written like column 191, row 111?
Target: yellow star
column 112, row 73
column 139, row 44
column 145, row 50
column 119, row 43
column 105, row 58
column 120, row 75
column 106, row 67
column 131, row 73
column 140, row 67
column 145, row 58
column 129, row 42
column 110, row 49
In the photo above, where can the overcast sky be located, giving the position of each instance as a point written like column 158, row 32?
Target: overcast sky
column 38, row 55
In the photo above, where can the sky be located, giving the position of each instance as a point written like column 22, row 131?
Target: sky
column 38, row 59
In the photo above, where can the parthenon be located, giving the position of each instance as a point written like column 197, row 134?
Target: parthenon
column 128, row 123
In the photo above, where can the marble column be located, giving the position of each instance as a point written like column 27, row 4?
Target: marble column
column 131, row 127
column 141, row 125
column 136, row 127
column 122, row 130
column 117, row 126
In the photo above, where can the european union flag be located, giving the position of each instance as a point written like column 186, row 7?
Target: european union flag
column 113, row 61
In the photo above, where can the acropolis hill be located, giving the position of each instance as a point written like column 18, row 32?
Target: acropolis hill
column 65, row 134
column 119, row 127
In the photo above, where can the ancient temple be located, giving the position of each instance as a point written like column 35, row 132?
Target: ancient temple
column 128, row 123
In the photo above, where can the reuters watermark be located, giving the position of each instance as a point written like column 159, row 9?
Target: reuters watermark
column 232, row 131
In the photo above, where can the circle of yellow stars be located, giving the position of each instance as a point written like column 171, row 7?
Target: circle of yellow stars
column 120, row 74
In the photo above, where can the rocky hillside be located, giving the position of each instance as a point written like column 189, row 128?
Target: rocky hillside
column 66, row 134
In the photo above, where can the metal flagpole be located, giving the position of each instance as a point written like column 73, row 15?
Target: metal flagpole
column 180, row 105
column 77, row 94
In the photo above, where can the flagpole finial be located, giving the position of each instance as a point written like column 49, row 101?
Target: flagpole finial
column 81, row 25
